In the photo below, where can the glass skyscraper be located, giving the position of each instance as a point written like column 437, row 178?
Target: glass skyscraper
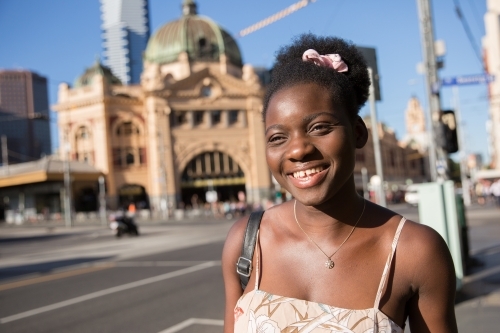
column 24, row 115
column 125, row 26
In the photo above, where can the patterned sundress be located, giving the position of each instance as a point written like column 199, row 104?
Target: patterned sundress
column 261, row 312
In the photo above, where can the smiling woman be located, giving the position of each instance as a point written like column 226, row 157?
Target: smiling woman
column 329, row 254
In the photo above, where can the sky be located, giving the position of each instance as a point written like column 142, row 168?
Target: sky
column 59, row 39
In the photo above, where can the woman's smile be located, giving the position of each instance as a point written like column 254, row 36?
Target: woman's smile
column 308, row 177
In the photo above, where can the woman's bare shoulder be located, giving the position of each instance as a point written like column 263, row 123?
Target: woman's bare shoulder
column 422, row 237
column 424, row 254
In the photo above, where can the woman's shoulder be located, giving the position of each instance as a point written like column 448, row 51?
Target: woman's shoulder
column 421, row 237
column 414, row 235
column 423, row 254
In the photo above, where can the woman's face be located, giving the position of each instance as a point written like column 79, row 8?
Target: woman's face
column 310, row 143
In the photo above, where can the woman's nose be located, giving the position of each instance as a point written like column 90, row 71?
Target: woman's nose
column 299, row 147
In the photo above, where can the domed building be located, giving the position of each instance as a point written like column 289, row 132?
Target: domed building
column 193, row 125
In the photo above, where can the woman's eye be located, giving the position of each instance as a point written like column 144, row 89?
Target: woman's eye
column 319, row 128
column 275, row 139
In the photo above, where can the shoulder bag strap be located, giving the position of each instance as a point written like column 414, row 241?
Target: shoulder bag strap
column 244, row 264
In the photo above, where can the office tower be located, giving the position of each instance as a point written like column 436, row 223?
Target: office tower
column 24, row 115
column 491, row 46
column 125, row 26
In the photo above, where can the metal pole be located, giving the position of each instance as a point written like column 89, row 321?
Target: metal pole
column 5, row 154
column 376, row 143
column 67, row 185
column 364, row 179
column 163, row 177
column 102, row 201
column 436, row 154
column 461, row 148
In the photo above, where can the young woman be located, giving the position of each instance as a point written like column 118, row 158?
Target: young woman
column 328, row 260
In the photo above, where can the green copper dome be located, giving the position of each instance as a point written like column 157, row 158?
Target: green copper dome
column 200, row 37
column 96, row 69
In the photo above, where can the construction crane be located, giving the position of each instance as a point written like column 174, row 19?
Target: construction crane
column 276, row 17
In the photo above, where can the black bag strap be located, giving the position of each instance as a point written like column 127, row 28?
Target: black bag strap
column 244, row 264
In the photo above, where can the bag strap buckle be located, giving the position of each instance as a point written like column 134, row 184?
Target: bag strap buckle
column 244, row 266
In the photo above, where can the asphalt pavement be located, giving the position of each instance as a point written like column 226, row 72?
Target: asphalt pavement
column 82, row 279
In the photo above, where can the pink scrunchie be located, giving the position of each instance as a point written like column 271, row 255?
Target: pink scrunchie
column 333, row 61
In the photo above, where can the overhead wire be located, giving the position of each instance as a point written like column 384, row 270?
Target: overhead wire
column 468, row 32
column 476, row 15
column 331, row 19
column 276, row 17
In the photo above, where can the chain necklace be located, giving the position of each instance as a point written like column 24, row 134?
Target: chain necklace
column 329, row 263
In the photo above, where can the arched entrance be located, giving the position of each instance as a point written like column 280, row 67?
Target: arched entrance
column 212, row 171
column 132, row 193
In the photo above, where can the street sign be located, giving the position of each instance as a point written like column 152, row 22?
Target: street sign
column 467, row 79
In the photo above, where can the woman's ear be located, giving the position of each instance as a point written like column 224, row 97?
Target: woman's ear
column 360, row 132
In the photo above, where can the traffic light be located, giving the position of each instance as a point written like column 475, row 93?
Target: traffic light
column 449, row 131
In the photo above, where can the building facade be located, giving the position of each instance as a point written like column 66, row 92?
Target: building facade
column 491, row 46
column 23, row 99
column 192, row 125
column 125, row 32
column 402, row 164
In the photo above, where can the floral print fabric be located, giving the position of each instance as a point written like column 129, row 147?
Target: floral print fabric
column 260, row 312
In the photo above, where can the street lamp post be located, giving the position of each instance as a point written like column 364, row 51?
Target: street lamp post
column 5, row 154
column 102, row 201
column 376, row 144
column 67, row 183
column 437, row 157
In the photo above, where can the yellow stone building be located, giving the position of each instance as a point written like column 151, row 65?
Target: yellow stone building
column 193, row 124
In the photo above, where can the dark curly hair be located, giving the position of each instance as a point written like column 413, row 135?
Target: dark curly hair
column 350, row 88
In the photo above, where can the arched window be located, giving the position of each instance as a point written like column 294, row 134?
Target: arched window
column 129, row 145
column 212, row 165
column 82, row 133
column 84, row 147
column 127, row 128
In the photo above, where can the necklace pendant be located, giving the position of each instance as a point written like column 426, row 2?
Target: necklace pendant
column 329, row 264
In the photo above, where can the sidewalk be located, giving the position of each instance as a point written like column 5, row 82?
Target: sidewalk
column 478, row 302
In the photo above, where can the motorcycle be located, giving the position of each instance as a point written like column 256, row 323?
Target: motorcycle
column 122, row 224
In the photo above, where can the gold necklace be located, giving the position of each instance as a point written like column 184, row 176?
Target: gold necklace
column 329, row 263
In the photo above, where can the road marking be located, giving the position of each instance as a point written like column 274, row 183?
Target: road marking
column 193, row 321
column 159, row 263
column 481, row 275
column 107, row 292
column 55, row 276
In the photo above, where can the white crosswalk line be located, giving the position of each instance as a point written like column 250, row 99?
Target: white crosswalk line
column 193, row 321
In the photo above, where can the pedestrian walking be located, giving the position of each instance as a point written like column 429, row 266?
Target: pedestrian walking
column 329, row 260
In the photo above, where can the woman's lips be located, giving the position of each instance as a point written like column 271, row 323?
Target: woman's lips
column 308, row 178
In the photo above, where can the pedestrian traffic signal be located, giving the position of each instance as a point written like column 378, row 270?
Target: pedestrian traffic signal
column 449, row 133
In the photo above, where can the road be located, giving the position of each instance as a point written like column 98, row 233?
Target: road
column 166, row 280
column 87, row 281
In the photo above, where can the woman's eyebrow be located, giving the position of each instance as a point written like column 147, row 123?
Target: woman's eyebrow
column 276, row 126
column 313, row 116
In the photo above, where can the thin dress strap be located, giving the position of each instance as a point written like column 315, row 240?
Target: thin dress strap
column 257, row 263
column 388, row 263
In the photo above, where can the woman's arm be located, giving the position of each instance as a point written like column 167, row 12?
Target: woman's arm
column 432, row 308
column 230, row 255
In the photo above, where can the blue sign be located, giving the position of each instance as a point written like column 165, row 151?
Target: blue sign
column 468, row 79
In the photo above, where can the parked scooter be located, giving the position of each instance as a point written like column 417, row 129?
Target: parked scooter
column 122, row 224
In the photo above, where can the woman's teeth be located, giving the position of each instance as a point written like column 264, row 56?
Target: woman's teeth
column 307, row 173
